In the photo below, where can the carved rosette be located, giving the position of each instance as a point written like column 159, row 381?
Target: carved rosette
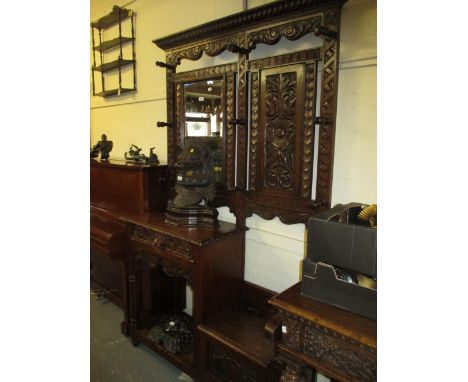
column 292, row 31
column 358, row 362
column 229, row 368
column 307, row 145
column 328, row 106
column 230, row 132
column 280, row 130
column 163, row 242
column 254, row 132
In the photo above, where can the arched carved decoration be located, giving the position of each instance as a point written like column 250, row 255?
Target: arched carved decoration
column 246, row 139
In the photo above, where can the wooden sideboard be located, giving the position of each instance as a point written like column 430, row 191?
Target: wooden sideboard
column 119, row 188
column 210, row 260
column 337, row 343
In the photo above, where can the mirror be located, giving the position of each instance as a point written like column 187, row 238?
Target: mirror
column 204, row 108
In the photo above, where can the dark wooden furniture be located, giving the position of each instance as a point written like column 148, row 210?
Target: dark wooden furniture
column 164, row 258
column 119, row 188
column 284, row 131
column 234, row 346
column 116, row 17
column 277, row 135
column 335, row 342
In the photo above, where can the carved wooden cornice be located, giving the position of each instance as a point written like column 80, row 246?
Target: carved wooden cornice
column 242, row 20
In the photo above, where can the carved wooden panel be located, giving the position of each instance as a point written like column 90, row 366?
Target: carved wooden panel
column 292, row 31
column 282, row 130
column 280, row 123
column 162, row 242
column 292, row 332
column 228, row 368
column 355, row 361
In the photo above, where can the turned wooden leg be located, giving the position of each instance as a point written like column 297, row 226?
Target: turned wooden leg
column 292, row 373
column 134, row 278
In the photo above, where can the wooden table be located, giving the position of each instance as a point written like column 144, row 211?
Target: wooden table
column 335, row 342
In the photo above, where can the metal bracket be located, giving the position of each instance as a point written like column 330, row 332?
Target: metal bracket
column 163, row 124
column 325, row 32
column 164, row 65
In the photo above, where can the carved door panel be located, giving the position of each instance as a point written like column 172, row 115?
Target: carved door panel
column 281, row 109
column 282, row 130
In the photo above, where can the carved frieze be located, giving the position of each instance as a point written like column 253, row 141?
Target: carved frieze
column 358, row 363
column 211, row 71
column 212, row 48
column 292, row 31
column 229, row 368
column 292, row 332
column 280, row 130
column 162, row 242
column 351, row 358
column 284, row 59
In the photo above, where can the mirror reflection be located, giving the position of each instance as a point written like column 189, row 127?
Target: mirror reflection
column 203, row 108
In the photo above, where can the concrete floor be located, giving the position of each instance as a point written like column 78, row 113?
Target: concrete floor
column 114, row 359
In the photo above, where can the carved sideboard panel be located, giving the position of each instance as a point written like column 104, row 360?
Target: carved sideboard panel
column 228, row 368
column 162, row 242
column 356, row 361
column 331, row 350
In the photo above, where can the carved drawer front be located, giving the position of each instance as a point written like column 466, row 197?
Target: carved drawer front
column 228, row 368
column 353, row 360
column 292, row 333
column 162, row 242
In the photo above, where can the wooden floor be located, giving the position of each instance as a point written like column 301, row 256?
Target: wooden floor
column 114, row 359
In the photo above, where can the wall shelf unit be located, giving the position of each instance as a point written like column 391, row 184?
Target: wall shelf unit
column 103, row 47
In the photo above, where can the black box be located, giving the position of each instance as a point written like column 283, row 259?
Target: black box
column 338, row 240
column 320, row 282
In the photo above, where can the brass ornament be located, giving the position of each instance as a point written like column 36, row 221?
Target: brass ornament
column 369, row 213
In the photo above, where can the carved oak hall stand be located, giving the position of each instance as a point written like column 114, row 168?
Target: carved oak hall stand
column 276, row 142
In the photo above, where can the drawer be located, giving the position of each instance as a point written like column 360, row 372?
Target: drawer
column 163, row 245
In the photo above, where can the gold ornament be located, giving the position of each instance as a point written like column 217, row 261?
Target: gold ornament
column 369, row 213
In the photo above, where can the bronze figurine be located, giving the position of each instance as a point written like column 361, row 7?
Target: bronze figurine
column 134, row 154
column 103, row 146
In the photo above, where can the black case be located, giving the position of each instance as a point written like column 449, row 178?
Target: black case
column 336, row 238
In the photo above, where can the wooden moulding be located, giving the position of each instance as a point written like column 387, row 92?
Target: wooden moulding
column 192, row 216
column 243, row 20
